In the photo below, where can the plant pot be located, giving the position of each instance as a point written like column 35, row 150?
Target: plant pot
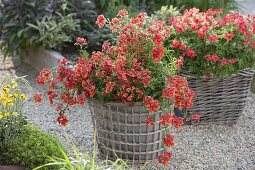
column 12, row 167
column 220, row 101
column 122, row 132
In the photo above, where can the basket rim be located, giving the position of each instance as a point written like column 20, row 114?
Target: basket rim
column 112, row 103
column 250, row 70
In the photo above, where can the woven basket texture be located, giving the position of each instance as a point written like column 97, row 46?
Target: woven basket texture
column 122, row 132
column 220, row 101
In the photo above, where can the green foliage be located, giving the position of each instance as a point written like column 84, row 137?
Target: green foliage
column 166, row 12
column 203, row 5
column 85, row 15
column 51, row 33
column 31, row 148
column 110, row 8
column 17, row 37
column 84, row 161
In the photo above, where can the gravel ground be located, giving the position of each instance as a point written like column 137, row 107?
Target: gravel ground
column 208, row 147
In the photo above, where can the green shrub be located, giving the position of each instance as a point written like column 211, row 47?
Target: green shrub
column 31, row 148
column 86, row 13
column 166, row 12
column 17, row 37
column 51, row 33
column 30, row 24
column 203, row 5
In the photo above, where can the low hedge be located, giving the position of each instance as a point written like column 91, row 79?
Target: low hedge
column 31, row 148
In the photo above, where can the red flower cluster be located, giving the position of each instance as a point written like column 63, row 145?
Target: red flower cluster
column 62, row 120
column 151, row 104
column 196, row 117
column 149, row 121
column 135, row 69
column 168, row 140
column 212, row 57
column 165, row 159
column 202, row 37
column 80, row 41
column 101, row 21
column 178, row 88
column 171, row 119
column 43, row 76
column 38, row 98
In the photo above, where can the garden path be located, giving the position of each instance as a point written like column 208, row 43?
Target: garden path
column 210, row 147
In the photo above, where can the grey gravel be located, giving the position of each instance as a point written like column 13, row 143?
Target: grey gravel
column 207, row 147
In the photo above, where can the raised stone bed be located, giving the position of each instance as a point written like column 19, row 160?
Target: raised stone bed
column 43, row 58
column 11, row 167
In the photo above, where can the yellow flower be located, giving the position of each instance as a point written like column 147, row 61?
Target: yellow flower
column 15, row 95
column 6, row 89
column 23, row 96
column 7, row 114
column 10, row 104
column 1, row 116
column 15, row 113
column 4, row 100
column 14, row 84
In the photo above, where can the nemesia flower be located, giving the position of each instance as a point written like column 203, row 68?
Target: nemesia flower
column 59, row 107
column 158, row 39
column 175, row 44
column 253, row 45
column 80, row 41
column 44, row 76
column 164, row 159
column 232, row 61
column 213, row 38
column 149, row 121
column 168, row 140
column 182, row 46
column 168, row 154
column 177, row 121
column 196, row 117
column 151, row 104
column 224, row 62
column 62, row 120
column 179, row 62
column 191, row 53
column 166, row 120
column 228, row 36
column 212, row 57
column 158, row 53
column 101, row 21
column 122, row 13
column 63, row 61
column 38, row 98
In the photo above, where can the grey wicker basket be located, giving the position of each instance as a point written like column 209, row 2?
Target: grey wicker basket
column 220, row 101
column 122, row 132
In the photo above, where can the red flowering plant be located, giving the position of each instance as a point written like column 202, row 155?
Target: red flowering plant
column 209, row 44
column 137, row 68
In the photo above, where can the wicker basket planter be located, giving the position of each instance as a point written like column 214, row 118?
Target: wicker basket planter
column 220, row 101
column 122, row 132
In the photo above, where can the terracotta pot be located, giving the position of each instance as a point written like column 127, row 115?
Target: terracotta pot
column 11, row 167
